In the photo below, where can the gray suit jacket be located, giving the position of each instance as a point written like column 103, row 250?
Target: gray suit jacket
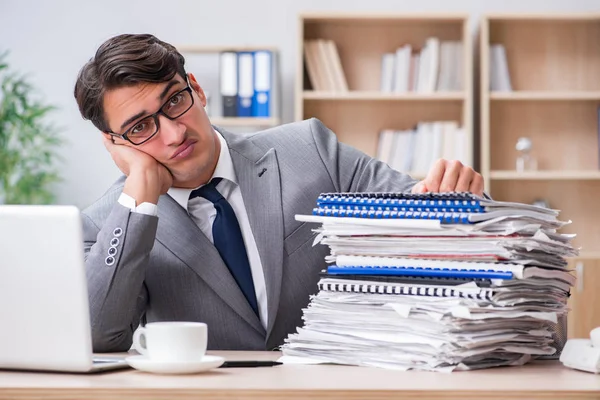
column 165, row 269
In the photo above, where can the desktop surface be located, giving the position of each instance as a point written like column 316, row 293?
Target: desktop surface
column 542, row 379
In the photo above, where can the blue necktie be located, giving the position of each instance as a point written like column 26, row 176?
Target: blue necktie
column 229, row 241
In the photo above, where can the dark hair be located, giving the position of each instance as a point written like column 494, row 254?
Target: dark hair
column 124, row 60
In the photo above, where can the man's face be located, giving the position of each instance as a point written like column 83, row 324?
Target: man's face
column 187, row 146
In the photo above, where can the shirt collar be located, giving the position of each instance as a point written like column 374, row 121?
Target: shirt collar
column 223, row 170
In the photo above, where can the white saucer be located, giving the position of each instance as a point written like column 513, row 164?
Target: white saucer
column 143, row 363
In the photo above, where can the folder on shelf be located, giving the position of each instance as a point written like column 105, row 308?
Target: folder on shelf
column 229, row 82
column 263, row 84
column 326, row 65
column 245, row 84
column 310, row 63
column 499, row 74
column 313, row 66
column 388, row 62
column 334, row 59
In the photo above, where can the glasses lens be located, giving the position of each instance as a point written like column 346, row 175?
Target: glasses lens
column 142, row 130
column 178, row 104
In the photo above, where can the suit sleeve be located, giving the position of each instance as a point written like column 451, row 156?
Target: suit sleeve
column 116, row 255
column 353, row 170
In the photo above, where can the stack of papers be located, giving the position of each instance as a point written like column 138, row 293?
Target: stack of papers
column 434, row 282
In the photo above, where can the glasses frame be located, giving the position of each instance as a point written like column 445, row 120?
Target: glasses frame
column 154, row 116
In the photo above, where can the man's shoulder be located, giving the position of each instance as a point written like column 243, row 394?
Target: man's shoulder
column 295, row 133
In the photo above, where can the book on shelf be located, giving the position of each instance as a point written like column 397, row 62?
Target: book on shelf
column 248, row 83
column 324, row 66
column 415, row 150
column 436, row 67
column 499, row 74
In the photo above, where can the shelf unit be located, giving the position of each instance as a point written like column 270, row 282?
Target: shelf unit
column 558, row 175
column 554, row 65
column 545, row 95
column 247, row 121
column 359, row 115
column 235, row 122
column 376, row 95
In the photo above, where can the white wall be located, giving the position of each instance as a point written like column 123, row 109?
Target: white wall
column 51, row 40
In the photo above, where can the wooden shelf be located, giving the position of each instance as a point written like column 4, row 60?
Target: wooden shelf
column 359, row 115
column 543, row 17
column 553, row 62
column 248, row 121
column 545, row 175
column 220, row 49
column 545, row 95
column 375, row 96
column 366, row 18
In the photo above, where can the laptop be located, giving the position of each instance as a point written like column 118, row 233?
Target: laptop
column 44, row 309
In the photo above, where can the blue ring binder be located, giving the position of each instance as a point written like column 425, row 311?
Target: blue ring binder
column 418, row 271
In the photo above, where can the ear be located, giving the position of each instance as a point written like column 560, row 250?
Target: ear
column 196, row 86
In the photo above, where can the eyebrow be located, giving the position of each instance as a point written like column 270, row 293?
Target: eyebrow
column 162, row 96
column 168, row 87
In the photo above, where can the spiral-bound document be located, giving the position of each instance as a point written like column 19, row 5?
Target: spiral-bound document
column 450, row 200
column 334, row 285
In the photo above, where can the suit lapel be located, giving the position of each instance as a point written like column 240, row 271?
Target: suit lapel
column 176, row 232
column 258, row 177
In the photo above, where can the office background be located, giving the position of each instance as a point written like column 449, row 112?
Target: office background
column 51, row 40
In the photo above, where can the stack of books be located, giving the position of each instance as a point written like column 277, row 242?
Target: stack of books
column 414, row 151
column 324, row 66
column 434, row 282
column 437, row 66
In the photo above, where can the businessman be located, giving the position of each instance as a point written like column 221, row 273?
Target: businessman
column 201, row 225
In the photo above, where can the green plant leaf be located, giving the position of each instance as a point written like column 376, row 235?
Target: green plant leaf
column 28, row 143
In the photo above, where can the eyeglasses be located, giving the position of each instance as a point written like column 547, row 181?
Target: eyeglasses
column 145, row 129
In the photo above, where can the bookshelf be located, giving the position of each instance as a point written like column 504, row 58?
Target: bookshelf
column 554, row 64
column 248, row 121
column 215, row 115
column 358, row 115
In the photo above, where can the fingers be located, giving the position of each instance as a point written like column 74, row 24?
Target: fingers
column 112, row 139
column 419, row 188
column 451, row 175
column 464, row 180
column 477, row 185
column 434, row 177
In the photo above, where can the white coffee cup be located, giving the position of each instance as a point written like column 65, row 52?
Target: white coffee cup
column 172, row 341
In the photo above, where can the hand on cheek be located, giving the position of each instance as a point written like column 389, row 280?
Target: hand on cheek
column 146, row 177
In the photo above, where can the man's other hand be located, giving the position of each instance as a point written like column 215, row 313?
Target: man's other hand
column 450, row 176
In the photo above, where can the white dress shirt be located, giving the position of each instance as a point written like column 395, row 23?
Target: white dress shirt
column 203, row 213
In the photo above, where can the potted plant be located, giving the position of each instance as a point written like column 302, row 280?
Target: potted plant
column 28, row 143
